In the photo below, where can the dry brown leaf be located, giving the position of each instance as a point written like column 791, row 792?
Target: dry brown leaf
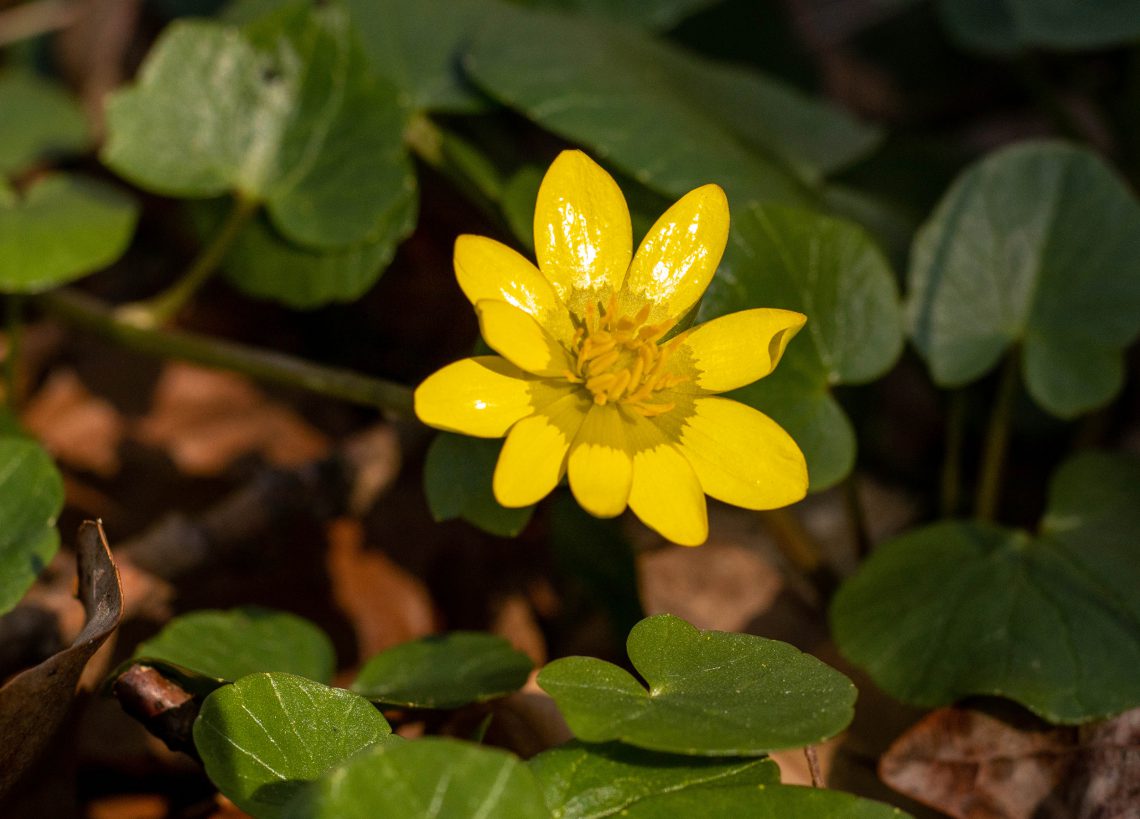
column 1105, row 782
column 794, row 768
column 129, row 806
column 515, row 621
column 76, row 427
column 527, row 721
column 205, row 419
column 385, row 604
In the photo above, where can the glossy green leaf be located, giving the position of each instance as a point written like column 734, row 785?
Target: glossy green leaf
column 1033, row 246
column 830, row 270
column 659, row 15
column 762, row 802
column 264, row 738
column 1052, row 621
column 670, row 119
column 283, row 112
column 227, row 645
column 38, row 120
column 444, row 671
column 427, row 779
column 1006, row 25
column 265, row 264
column 62, row 228
column 457, row 481
column 711, row 693
column 31, row 497
column 582, row 780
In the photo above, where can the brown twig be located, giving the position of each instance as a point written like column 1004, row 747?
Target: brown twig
column 813, row 766
column 163, row 707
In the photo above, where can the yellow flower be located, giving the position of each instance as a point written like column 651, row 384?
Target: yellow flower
column 589, row 385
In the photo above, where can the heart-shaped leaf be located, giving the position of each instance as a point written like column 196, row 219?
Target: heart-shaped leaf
column 711, row 693
column 830, row 270
column 581, row 780
column 31, row 497
column 62, row 228
column 38, row 119
column 444, row 671
column 1033, row 246
column 611, row 88
column 284, row 112
column 431, row 778
column 1006, row 25
column 457, row 482
column 1051, row 621
column 226, row 645
column 264, row 738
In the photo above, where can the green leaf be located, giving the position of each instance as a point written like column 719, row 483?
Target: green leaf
column 431, row 778
column 227, row 645
column 264, row 738
column 1006, row 25
column 31, row 497
column 63, row 228
column 284, row 112
column 1051, row 621
column 658, row 15
column 830, row 270
column 762, row 802
column 444, row 671
column 1033, row 246
column 581, row 780
column 668, row 118
column 711, row 693
column 457, row 480
column 38, row 120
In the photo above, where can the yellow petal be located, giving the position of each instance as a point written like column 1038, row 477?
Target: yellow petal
column 666, row 493
column 520, row 339
column 479, row 396
column 486, row 269
column 533, row 458
column 582, row 233
column 742, row 456
column 737, row 349
column 600, row 466
column 679, row 255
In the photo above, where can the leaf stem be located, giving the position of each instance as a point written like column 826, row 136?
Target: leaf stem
column 997, row 440
column 856, row 519
column 14, row 325
column 950, row 496
column 160, row 309
column 87, row 313
column 801, row 551
column 813, row 766
column 458, row 161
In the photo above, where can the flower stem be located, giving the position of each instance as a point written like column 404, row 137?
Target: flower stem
column 949, row 496
column 160, row 309
column 457, row 160
column 856, row 519
column 997, row 440
column 801, row 551
column 90, row 314
column 14, row 324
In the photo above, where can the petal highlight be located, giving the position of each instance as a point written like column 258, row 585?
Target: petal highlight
column 533, row 458
column 520, row 339
column 480, row 396
column 486, row 269
column 737, row 349
column 582, row 234
column 600, row 465
column 677, row 258
column 665, row 492
column 742, row 456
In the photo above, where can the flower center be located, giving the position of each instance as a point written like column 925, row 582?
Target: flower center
column 619, row 359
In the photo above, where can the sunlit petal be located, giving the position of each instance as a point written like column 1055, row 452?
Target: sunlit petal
column 533, row 459
column 679, row 255
column 479, row 396
column 742, row 456
column 520, row 339
column 736, row 349
column 600, row 465
column 665, row 492
column 486, row 269
column 582, row 233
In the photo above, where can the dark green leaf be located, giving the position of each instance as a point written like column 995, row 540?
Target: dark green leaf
column 1051, row 621
column 227, row 645
column 711, row 693
column 1006, row 25
column 457, row 480
column 830, row 270
column 284, row 112
column 659, row 15
column 38, row 120
column 31, row 497
column 427, row 779
column 64, row 227
column 1033, row 246
column 444, row 671
column 264, row 738
column 582, row 780
column 762, row 802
